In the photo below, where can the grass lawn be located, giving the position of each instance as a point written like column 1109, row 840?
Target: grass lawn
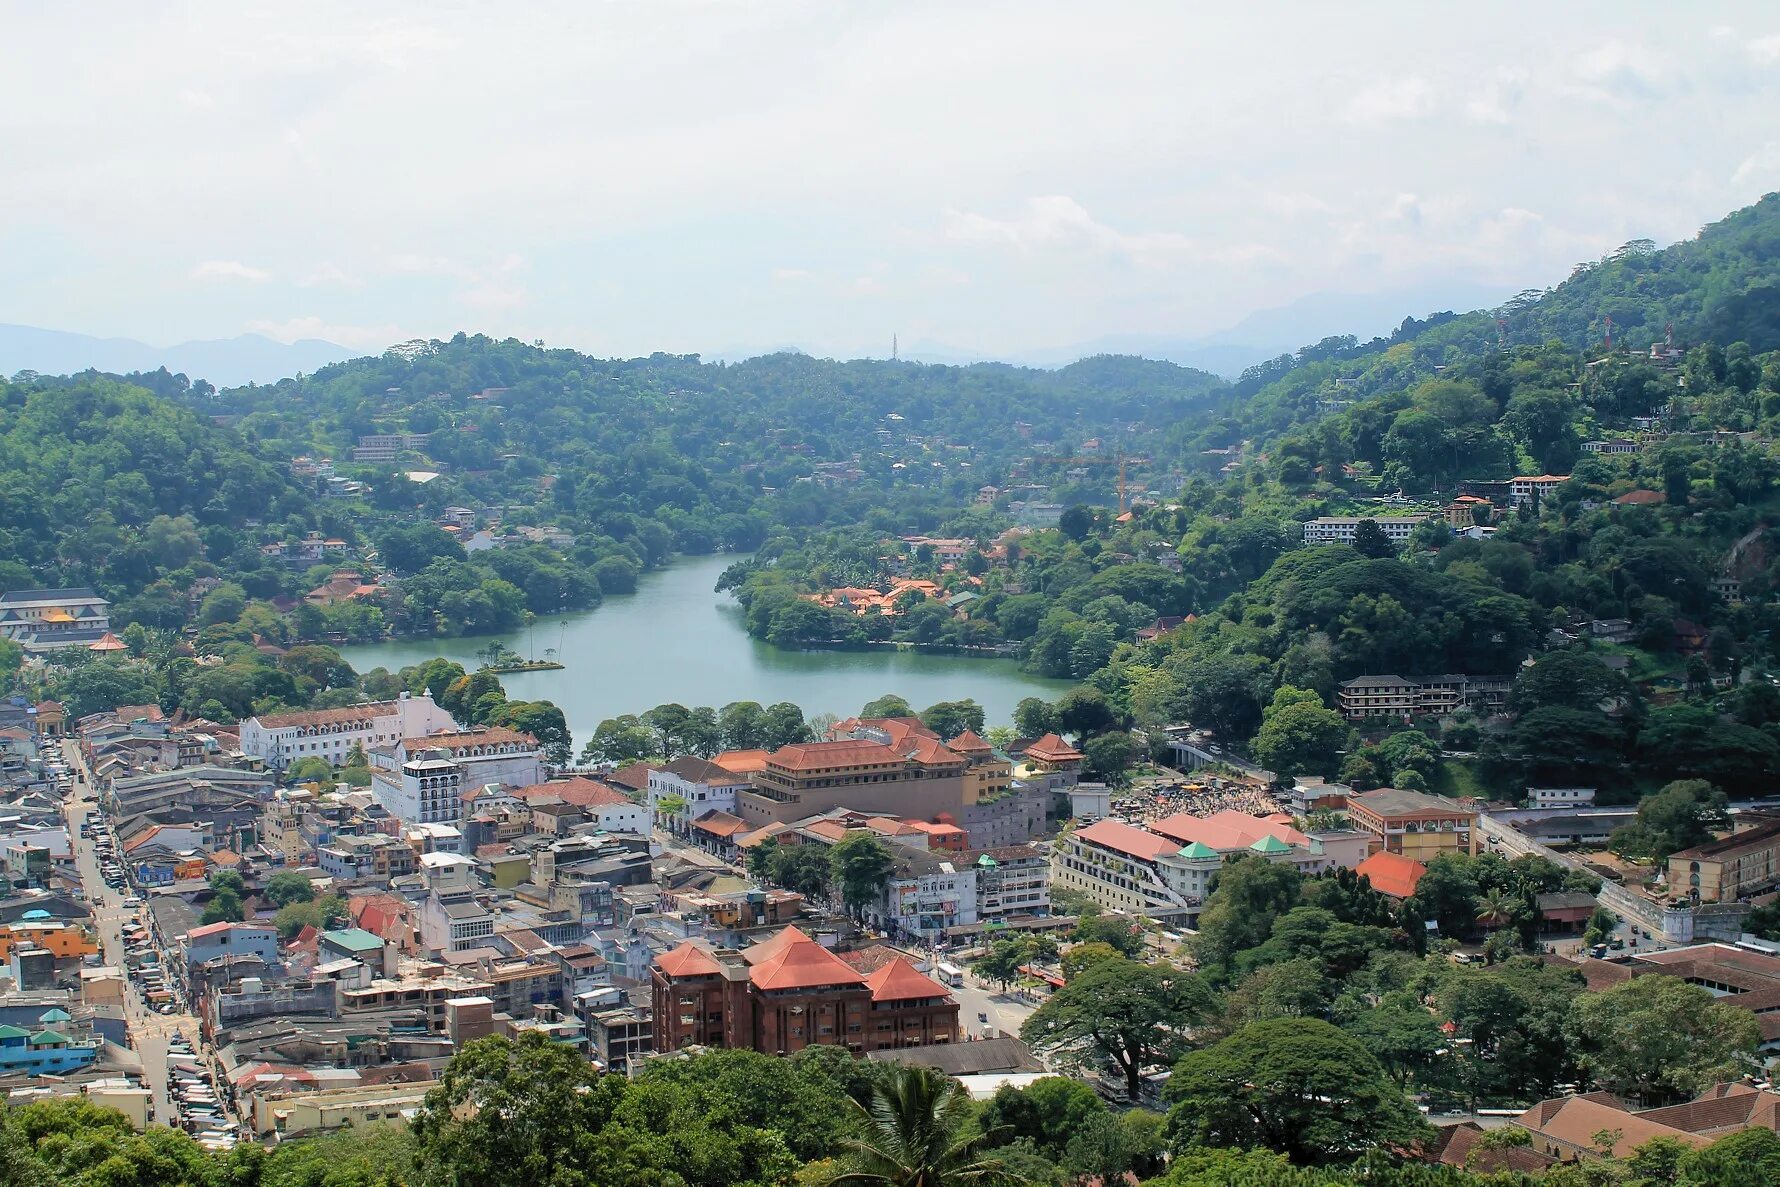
column 1458, row 779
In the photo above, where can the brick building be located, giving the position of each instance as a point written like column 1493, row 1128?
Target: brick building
column 789, row 993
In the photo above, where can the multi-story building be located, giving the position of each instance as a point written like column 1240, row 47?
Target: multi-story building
column 1011, row 880
column 924, row 895
column 426, row 789
column 1615, row 445
column 44, row 619
column 1527, row 488
column 697, row 786
column 1723, row 871
column 384, row 447
column 1398, row 696
column 280, row 739
column 811, row 778
column 1413, row 823
column 1342, row 529
column 374, row 857
column 788, row 993
column 1560, row 797
column 1125, row 868
column 487, row 754
column 216, row 940
column 602, row 805
column 1274, row 837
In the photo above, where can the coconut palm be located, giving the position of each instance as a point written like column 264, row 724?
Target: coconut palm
column 1498, row 909
column 916, row 1134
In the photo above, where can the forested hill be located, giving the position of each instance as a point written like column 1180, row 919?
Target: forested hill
column 1720, row 287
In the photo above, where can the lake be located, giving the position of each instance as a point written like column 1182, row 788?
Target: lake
column 677, row 640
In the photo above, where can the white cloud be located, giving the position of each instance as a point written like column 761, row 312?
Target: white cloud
column 230, row 270
column 1624, row 72
column 326, row 275
column 293, row 329
column 1060, row 223
column 1497, row 100
column 1390, row 100
column 1763, row 163
column 1766, row 50
column 792, row 275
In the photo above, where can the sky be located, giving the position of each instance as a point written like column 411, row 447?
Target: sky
column 732, row 177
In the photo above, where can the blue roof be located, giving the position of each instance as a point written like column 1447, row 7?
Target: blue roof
column 36, row 913
column 356, row 939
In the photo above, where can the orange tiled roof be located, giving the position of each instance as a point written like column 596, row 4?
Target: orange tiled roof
column 456, row 740
column 1051, row 748
column 808, row 756
column 791, row 960
column 1227, row 830
column 969, row 743
column 1392, row 873
column 741, row 762
column 901, row 981
column 579, row 791
column 688, row 960
column 1123, row 838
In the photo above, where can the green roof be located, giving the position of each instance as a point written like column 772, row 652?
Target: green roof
column 45, row 1038
column 35, row 913
column 1198, row 851
column 12, row 1032
column 986, row 860
column 55, row 1016
column 1270, row 844
column 356, row 939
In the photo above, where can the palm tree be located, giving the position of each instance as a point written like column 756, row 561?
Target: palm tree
column 914, row 1135
column 1498, row 909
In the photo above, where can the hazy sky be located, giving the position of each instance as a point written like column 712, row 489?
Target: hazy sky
column 627, row 177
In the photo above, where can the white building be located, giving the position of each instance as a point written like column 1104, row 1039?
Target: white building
column 282, row 738
column 487, row 754
column 1341, row 529
column 45, row 619
column 1124, row 868
column 1535, row 486
column 1012, row 880
column 924, row 895
column 605, row 806
column 700, row 786
column 428, row 789
column 1559, row 797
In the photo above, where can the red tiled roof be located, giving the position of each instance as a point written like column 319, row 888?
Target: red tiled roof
column 579, row 791
column 635, row 776
column 1051, row 748
column 688, row 960
column 969, row 742
column 741, row 762
column 810, row 756
column 720, row 823
column 791, row 960
column 306, row 717
column 1227, row 830
column 1641, row 498
column 1392, row 873
column 455, row 740
column 1123, row 838
column 901, row 981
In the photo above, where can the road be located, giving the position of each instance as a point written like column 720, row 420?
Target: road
column 149, row 1031
column 1634, row 911
column 1005, row 1011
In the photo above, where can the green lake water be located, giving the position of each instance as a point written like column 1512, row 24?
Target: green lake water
column 677, row 640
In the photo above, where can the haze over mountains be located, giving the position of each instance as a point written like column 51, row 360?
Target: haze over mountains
column 225, row 362
column 1264, row 334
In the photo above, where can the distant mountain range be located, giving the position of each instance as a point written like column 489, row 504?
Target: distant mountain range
column 1262, row 335
column 225, row 362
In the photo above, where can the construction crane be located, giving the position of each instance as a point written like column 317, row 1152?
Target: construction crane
column 1120, row 460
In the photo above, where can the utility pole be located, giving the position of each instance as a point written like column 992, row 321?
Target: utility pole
column 894, row 352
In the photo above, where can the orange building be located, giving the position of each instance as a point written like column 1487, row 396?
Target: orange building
column 67, row 943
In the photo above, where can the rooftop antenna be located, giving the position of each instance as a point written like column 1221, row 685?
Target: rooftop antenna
column 893, row 350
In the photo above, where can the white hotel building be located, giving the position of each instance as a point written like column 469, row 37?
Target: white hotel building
column 282, row 738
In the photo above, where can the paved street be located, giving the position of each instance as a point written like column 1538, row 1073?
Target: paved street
column 1006, row 1011
column 149, row 1031
column 1635, row 913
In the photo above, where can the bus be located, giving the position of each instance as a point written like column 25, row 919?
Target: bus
column 951, row 974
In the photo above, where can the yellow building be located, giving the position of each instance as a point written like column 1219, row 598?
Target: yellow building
column 1746, row 862
column 1414, row 824
column 67, row 943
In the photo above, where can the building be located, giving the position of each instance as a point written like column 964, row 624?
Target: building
column 1341, row 529
column 1565, row 1128
column 1526, row 489
column 1398, row 696
column 45, row 1052
column 790, row 992
column 383, row 447
column 1413, row 823
column 1392, row 874
column 1011, row 880
column 372, row 857
column 1744, row 863
column 1560, row 797
column 603, row 805
column 485, row 754
column 923, row 895
column 1468, row 511
column 811, row 778
column 699, row 787
column 1616, row 445
column 44, row 619
column 279, row 739
column 1125, row 868
column 214, row 941
column 1229, row 833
